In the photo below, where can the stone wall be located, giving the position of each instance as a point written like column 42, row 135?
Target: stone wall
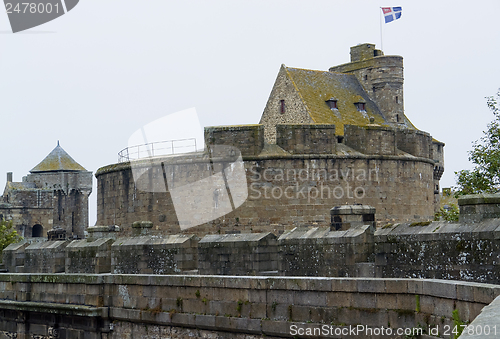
column 371, row 139
column 478, row 207
column 13, row 257
column 45, row 257
column 139, row 306
column 415, row 142
column 248, row 139
column 48, row 199
column 440, row 250
column 85, row 256
column 306, row 139
column 433, row 250
column 284, row 106
column 238, row 254
column 284, row 191
column 26, row 218
column 317, row 252
column 437, row 250
column 173, row 254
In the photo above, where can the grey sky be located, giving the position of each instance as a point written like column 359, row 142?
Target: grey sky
column 97, row 74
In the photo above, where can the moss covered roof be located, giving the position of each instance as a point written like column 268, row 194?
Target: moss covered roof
column 58, row 160
column 316, row 87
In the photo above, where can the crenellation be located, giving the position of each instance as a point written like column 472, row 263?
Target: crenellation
column 371, row 140
column 306, row 138
column 248, row 139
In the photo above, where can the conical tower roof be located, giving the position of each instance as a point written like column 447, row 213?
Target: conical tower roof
column 57, row 160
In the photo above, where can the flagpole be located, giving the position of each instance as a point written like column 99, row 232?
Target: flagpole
column 381, row 39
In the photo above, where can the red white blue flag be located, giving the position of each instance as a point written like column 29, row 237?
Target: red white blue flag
column 392, row 13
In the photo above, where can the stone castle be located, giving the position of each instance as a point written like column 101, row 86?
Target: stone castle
column 285, row 257
column 326, row 138
column 53, row 196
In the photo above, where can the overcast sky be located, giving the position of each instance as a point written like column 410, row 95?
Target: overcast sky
column 94, row 76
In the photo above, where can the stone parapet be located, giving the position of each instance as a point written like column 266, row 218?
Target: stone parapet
column 477, row 207
column 84, row 256
column 238, row 254
column 376, row 140
column 306, row 138
column 249, row 139
column 144, row 306
column 172, row 254
column 320, row 252
column 46, row 257
column 439, row 250
column 414, row 142
column 13, row 257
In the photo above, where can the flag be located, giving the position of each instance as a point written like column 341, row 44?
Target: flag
column 392, row 13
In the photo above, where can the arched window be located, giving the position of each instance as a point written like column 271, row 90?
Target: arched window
column 37, row 231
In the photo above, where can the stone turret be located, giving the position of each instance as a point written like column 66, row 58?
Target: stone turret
column 382, row 78
column 71, row 184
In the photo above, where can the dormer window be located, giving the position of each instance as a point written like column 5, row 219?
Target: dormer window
column 332, row 103
column 360, row 106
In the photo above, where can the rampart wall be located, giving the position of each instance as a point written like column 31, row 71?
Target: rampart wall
column 437, row 250
column 179, row 307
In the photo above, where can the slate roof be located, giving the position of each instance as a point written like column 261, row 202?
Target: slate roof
column 316, row 87
column 57, row 160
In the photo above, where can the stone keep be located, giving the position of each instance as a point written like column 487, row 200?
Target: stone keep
column 325, row 138
column 54, row 195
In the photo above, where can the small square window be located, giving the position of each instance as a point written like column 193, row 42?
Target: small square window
column 361, row 106
column 332, row 103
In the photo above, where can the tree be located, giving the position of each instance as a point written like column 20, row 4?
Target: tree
column 8, row 235
column 485, row 155
column 447, row 213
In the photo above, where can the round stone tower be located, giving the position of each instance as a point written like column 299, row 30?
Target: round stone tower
column 381, row 77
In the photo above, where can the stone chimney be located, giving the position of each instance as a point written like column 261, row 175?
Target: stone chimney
column 349, row 216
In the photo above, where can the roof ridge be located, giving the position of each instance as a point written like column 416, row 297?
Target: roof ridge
column 318, row 70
